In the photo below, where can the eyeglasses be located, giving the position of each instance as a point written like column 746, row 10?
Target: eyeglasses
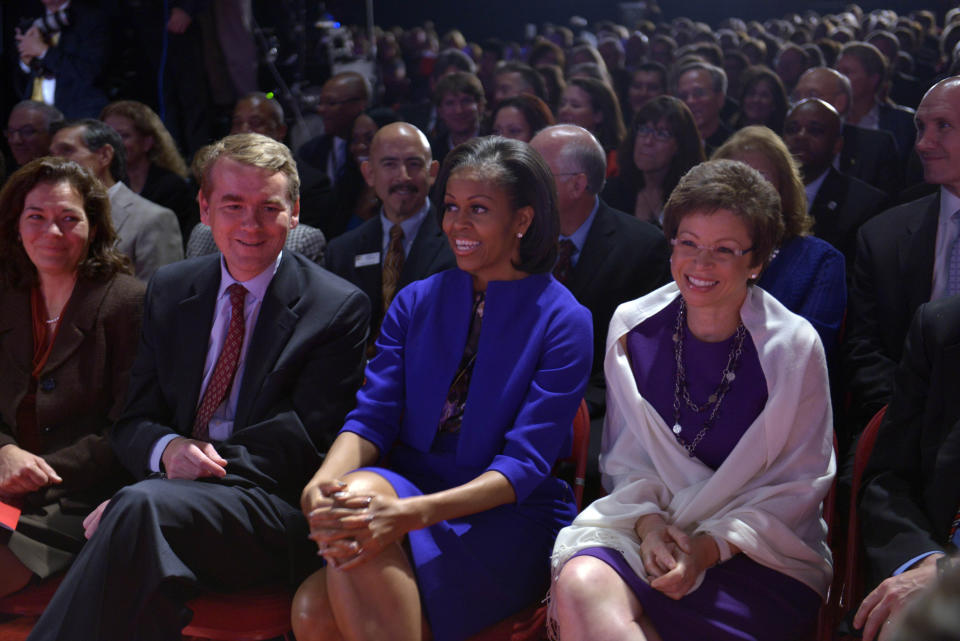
column 27, row 131
column 720, row 253
column 659, row 134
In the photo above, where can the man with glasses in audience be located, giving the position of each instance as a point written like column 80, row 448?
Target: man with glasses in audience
column 28, row 130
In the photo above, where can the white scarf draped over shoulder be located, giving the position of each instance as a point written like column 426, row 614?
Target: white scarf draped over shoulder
column 765, row 498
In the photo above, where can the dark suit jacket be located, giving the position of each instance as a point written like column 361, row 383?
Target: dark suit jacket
column 77, row 63
column 898, row 120
column 429, row 254
column 316, row 191
column 622, row 259
column 304, row 364
column 841, row 206
column 82, row 386
column 892, row 276
column 912, row 482
column 871, row 155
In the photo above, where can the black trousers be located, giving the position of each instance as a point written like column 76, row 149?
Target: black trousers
column 157, row 543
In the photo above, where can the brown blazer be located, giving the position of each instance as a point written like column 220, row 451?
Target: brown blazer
column 81, row 390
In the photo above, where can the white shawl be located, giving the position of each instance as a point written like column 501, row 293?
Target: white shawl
column 766, row 496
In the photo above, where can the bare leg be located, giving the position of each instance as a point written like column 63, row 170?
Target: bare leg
column 594, row 604
column 14, row 575
column 375, row 601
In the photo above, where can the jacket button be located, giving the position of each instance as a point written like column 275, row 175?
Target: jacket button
column 48, row 384
column 47, row 429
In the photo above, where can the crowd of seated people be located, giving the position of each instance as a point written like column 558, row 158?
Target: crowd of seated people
column 820, row 291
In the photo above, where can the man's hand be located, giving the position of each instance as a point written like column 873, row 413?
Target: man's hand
column 890, row 596
column 22, row 472
column 92, row 520
column 179, row 21
column 189, row 459
column 31, row 44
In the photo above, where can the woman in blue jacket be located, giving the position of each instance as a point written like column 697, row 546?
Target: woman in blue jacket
column 465, row 409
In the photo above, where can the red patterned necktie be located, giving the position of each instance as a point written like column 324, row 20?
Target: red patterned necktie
column 226, row 368
column 392, row 264
column 564, row 255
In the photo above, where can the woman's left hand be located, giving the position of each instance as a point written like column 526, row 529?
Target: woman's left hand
column 677, row 582
column 358, row 527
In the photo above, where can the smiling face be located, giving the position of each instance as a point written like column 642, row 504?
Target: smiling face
column 482, row 226
column 507, row 85
column 54, row 228
column 812, row 134
column 511, row 123
column 695, row 88
column 400, row 170
column 712, row 281
column 249, row 212
column 460, row 112
column 644, row 86
column 938, row 135
column 576, row 108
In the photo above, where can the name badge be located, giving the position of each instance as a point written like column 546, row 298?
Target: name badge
column 364, row 260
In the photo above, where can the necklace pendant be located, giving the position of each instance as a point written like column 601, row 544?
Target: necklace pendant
column 730, row 376
column 676, row 428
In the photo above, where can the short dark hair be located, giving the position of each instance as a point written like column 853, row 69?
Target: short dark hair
column 103, row 260
column 51, row 115
column 611, row 129
column 753, row 76
column 530, row 76
column 735, row 187
column 459, row 82
column 96, row 134
column 657, row 68
column 525, row 176
column 452, row 58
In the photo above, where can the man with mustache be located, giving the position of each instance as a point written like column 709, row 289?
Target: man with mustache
column 404, row 243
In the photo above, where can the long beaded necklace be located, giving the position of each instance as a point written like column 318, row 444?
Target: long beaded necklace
column 680, row 383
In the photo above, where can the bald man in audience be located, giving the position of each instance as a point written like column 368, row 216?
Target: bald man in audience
column 256, row 113
column 404, row 243
column 839, row 203
column 906, row 256
column 867, row 154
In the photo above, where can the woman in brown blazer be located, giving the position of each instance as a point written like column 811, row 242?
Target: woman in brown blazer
column 69, row 323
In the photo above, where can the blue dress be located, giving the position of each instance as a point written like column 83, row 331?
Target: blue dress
column 532, row 365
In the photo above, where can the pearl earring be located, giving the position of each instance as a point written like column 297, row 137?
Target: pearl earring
column 753, row 276
column 519, row 234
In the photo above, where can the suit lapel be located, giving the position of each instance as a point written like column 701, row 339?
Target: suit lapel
column 118, row 212
column 593, row 253
column 827, row 204
column 427, row 244
column 370, row 278
column 916, row 255
column 194, row 321
column 275, row 324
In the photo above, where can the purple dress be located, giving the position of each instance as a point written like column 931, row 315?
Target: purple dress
column 739, row 599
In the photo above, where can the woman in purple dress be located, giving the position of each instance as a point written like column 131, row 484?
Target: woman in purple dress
column 717, row 445
column 448, row 526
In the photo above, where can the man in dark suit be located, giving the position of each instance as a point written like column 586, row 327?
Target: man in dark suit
column 902, row 258
column 401, row 170
column 606, row 257
column 323, row 159
column 246, row 368
column 867, row 154
column 911, row 494
column 839, row 204
column 62, row 56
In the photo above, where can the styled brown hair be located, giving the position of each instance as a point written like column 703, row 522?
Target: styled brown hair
column 102, row 261
column 164, row 152
column 255, row 150
column 735, row 187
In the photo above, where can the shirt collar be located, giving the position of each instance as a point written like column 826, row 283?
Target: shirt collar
column 949, row 204
column 256, row 287
column 579, row 237
column 814, row 187
column 410, row 225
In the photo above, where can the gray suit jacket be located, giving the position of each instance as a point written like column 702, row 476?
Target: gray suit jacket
column 146, row 232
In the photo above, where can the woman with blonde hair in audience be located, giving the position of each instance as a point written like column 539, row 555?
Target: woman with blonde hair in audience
column 155, row 169
column 69, row 326
column 593, row 105
column 662, row 145
column 806, row 274
column 717, row 446
column 435, row 507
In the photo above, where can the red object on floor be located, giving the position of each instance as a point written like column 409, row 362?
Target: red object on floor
column 9, row 516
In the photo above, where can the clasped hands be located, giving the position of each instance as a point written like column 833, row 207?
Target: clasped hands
column 673, row 559
column 30, row 45
column 349, row 527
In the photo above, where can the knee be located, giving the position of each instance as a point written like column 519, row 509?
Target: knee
column 581, row 580
column 310, row 615
column 366, row 482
